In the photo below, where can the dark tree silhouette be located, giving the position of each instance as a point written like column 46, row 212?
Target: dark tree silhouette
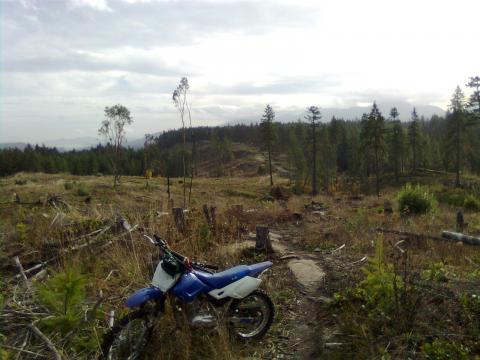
column 313, row 116
column 269, row 136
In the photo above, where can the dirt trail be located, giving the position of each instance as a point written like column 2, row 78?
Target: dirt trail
column 303, row 342
column 304, row 268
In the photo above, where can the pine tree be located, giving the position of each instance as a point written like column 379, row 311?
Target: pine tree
column 373, row 139
column 269, row 136
column 397, row 139
column 474, row 100
column 313, row 116
column 457, row 124
column 414, row 137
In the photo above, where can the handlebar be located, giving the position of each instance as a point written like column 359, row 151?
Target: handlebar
column 158, row 241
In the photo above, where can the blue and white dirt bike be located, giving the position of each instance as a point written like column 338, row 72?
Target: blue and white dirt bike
column 205, row 297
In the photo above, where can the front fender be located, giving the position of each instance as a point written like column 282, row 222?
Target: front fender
column 140, row 297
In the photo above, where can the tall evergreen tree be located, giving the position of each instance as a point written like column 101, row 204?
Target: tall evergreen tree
column 458, row 122
column 373, row 133
column 269, row 136
column 414, row 137
column 474, row 100
column 313, row 116
column 397, row 139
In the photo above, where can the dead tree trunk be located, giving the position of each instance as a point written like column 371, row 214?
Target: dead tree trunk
column 179, row 217
column 471, row 240
column 263, row 239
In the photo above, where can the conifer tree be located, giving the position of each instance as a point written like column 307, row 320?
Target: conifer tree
column 414, row 137
column 373, row 139
column 396, row 142
column 313, row 116
column 269, row 136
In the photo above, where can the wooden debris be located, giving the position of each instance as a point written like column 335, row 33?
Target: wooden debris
column 263, row 239
column 179, row 216
column 46, row 340
column 466, row 239
column 290, row 256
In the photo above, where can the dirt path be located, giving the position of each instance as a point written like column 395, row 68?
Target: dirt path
column 307, row 277
column 303, row 342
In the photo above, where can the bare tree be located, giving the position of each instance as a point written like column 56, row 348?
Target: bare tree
column 113, row 131
column 181, row 103
column 148, row 172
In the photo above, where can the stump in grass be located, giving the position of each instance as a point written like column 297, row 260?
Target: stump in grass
column 209, row 214
column 263, row 239
column 460, row 221
column 179, row 217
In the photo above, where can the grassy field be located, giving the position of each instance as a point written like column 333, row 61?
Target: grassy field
column 384, row 296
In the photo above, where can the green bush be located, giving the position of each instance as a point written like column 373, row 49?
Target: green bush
column 441, row 349
column 82, row 190
column 471, row 203
column 64, row 296
column 415, row 200
column 68, row 185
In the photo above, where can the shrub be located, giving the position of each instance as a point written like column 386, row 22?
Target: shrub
column 68, row 185
column 471, row 203
column 415, row 200
column 443, row 349
column 82, row 190
column 64, row 296
column 21, row 232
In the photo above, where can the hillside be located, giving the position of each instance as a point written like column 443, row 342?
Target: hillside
column 336, row 284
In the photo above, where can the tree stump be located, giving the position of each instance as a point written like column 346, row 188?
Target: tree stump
column 460, row 221
column 209, row 214
column 179, row 217
column 263, row 239
column 237, row 209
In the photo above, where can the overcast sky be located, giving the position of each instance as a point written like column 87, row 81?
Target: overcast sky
column 63, row 61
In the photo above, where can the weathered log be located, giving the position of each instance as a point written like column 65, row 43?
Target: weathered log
column 467, row 239
column 263, row 241
column 408, row 234
column 446, row 236
column 179, row 217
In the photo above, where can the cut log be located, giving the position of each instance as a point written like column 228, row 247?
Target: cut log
column 179, row 217
column 263, row 239
column 467, row 239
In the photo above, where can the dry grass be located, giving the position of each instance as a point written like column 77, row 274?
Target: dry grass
column 36, row 231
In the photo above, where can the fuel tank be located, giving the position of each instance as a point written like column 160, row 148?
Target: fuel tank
column 189, row 287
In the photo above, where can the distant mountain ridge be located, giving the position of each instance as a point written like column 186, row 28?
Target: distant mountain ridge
column 61, row 144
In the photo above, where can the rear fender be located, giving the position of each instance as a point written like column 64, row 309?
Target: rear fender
column 238, row 289
column 140, row 297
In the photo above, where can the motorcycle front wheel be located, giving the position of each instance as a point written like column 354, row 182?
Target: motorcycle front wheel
column 128, row 338
column 251, row 317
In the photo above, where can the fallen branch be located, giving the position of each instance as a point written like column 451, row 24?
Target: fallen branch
column 467, row 239
column 46, row 340
column 408, row 234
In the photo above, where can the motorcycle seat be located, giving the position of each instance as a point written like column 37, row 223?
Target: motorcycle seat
column 223, row 278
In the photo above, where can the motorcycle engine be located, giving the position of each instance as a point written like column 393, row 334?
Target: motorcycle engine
column 200, row 314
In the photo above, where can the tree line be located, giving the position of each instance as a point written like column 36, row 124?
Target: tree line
column 317, row 151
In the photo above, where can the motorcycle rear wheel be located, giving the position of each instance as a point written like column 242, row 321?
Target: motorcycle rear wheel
column 128, row 338
column 251, row 317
